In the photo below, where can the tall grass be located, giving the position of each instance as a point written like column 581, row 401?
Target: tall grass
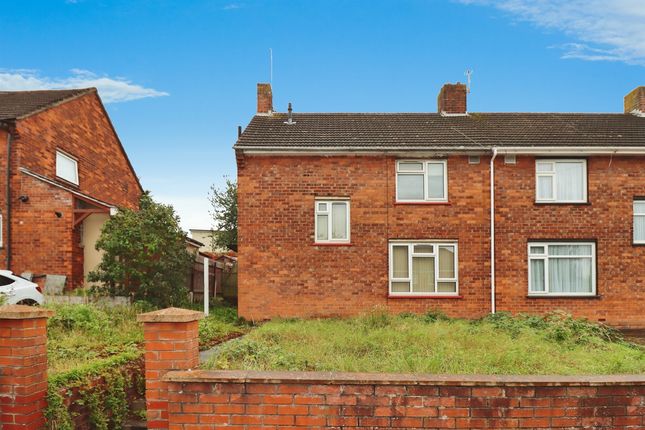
column 432, row 343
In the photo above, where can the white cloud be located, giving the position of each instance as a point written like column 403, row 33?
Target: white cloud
column 112, row 90
column 193, row 211
column 232, row 6
column 603, row 30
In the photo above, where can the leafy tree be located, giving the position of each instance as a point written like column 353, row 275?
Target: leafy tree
column 224, row 212
column 145, row 255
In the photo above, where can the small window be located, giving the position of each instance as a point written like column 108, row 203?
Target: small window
column 1, row 229
column 639, row 221
column 561, row 181
column 420, row 181
column 510, row 159
column 473, row 159
column 332, row 221
column 66, row 168
column 562, row 269
column 423, row 268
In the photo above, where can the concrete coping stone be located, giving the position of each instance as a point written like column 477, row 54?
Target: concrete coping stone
column 170, row 315
column 345, row 378
column 23, row 312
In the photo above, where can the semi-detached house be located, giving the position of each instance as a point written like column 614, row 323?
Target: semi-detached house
column 464, row 212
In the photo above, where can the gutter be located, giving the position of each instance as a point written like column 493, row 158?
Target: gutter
column 492, row 231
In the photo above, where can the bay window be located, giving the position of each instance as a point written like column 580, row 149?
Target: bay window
column 561, row 181
column 423, row 268
column 562, row 269
column 332, row 221
column 421, row 181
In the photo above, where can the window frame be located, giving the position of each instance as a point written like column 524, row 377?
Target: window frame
column 68, row 157
column 329, row 201
column 425, row 164
column 554, row 180
column 634, row 215
column 437, row 279
column 1, row 231
column 546, row 256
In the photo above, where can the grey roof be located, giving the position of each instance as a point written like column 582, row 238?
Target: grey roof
column 17, row 104
column 432, row 130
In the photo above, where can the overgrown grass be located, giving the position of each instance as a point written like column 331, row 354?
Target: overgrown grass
column 378, row 342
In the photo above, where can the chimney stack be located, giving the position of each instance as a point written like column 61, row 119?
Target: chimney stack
column 452, row 99
column 265, row 99
column 635, row 102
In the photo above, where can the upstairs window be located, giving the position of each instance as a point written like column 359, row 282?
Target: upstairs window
column 562, row 269
column 332, row 221
column 66, row 167
column 639, row 221
column 421, row 181
column 423, row 268
column 561, row 181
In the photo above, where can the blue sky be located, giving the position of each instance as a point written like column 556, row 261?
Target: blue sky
column 179, row 76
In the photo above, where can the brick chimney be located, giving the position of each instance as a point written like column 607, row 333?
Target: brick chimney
column 452, row 99
column 265, row 99
column 635, row 102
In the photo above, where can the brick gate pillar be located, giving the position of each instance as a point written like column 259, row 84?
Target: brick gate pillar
column 23, row 367
column 171, row 343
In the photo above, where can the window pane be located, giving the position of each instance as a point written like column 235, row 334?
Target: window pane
column 435, row 181
column 447, row 287
column 446, row 262
column 339, row 221
column 537, row 250
column 570, row 275
column 410, row 187
column 423, row 249
column 322, row 207
column 322, row 233
column 400, row 262
column 66, row 168
column 570, row 181
column 569, row 249
column 400, row 287
column 410, row 166
column 423, row 274
column 544, row 166
column 537, row 275
column 545, row 188
column 639, row 228
column 639, row 206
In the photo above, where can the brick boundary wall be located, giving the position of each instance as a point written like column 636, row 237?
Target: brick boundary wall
column 23, row 367
column 198, row 399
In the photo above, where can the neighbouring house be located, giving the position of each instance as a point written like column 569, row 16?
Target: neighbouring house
column 63, row 172
column 468, row 213
column 206, row 238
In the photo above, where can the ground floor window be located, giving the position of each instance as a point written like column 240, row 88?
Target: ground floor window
column 423, row 268
column 563, row 269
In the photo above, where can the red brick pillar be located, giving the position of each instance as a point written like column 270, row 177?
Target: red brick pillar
column 171, row 343
column 23, row 367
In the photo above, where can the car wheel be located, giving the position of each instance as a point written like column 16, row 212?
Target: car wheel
column 28, row 302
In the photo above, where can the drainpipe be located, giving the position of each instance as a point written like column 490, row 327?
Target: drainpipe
column 7, row 219
column 492, row 231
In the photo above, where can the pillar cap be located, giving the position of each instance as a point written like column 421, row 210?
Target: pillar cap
column 170, row 315
column 22, row 312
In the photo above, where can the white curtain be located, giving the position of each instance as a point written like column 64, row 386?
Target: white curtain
column 423, row 274
column 435, row 181
column 322, row 232
column 570, row 181
column 639, row 228
column 400, row 262
column 570, row 275
column 446, row 262
column 537, row 275
column 545, row 187
column 410, row 187
column 339, row 221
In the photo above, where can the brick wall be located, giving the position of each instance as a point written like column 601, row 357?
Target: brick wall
column 281, row 400
column 23, row 367
column 282, row 272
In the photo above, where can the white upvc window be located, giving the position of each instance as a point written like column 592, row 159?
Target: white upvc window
column 1, row 236
column 423, row 268
column 561, row 181
column 332, row 221
column 421, row 181
column 66, row 167
column 639, row 221
column 562, row 268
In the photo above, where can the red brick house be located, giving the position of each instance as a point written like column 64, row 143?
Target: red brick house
column 341, row 212
column 63, row 171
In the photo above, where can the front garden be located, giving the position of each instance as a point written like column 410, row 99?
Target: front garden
column 432, row 343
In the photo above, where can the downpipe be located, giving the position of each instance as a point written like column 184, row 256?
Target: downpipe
column 492, row 231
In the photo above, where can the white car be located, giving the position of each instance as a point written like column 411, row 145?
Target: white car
column 19, row 291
